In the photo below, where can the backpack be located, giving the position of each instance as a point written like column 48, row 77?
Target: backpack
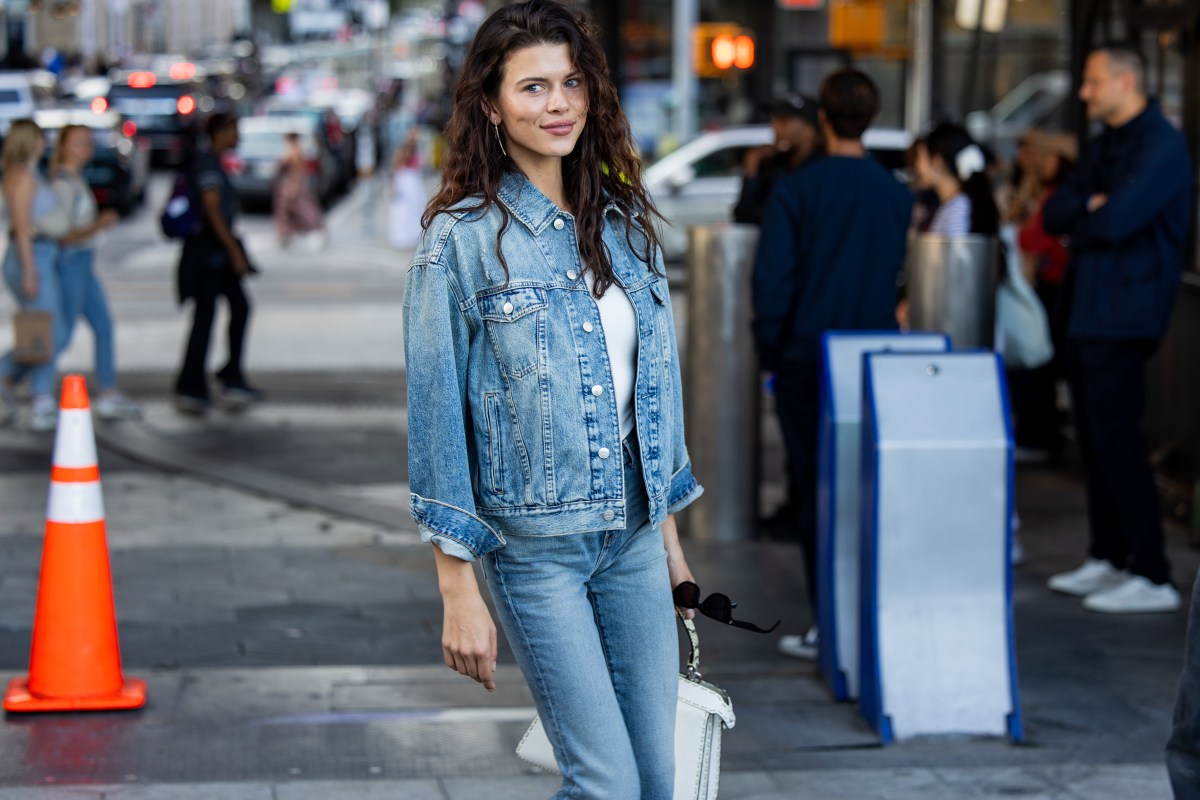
column 180, row 217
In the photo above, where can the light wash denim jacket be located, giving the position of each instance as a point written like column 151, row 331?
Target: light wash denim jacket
column 512, row 422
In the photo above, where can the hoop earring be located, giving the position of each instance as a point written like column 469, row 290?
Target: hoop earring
column 499, row 141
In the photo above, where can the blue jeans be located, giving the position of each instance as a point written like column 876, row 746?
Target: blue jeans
column 45, row 256
column 82, row 294
column 591, row 621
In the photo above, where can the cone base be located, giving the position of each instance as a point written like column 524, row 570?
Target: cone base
column 19, row 699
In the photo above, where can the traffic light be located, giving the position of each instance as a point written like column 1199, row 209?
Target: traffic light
column 722, row 48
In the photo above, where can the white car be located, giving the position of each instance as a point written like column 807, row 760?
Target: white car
column 16, row 98
column 699, row 183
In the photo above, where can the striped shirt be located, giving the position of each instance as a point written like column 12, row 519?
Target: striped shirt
column 952, row 217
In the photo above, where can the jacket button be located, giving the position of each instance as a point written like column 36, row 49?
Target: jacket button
column 572, row 275
column 597, row 390
column 609, row 516
column 508, row 308
column 603, row 452
column 558, row 224
column 587, row 327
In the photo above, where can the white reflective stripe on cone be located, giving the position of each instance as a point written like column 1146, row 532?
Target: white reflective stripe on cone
column 75, row 502
column 75, row 443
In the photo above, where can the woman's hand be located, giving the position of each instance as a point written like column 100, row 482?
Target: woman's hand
column 29, row 284
column 677, row 566
column 468, row 633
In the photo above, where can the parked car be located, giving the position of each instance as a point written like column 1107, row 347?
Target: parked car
column 699, row 183
column 16, row 98
column 253, row 166
column 120, row 165
column 163, row 107
column 335, row 136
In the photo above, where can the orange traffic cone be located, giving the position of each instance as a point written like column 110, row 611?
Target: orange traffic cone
column 75, row 663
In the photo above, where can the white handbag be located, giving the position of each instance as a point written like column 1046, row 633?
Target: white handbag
column 701, row 713
column 1022, row 325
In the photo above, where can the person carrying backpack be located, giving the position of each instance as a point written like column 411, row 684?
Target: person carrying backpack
column 212, row 264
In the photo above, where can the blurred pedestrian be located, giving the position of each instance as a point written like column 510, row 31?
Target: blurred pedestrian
column 1051, row 157
column 29, row 265
column 79, row 285
column 1018, row 196
column 294, row 204
column 544, row 399
column 408, row 195
column 213, row 264
column 797, row 132
column 953, row 165
column 833, row 243
column 1127, row 209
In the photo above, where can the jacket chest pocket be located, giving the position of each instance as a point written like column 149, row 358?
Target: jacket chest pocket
column 515, row 319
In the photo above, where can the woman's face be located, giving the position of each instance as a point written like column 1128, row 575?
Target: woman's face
column 541, row 105
column 923, row 167
column 1046, row 166
column 77, row 147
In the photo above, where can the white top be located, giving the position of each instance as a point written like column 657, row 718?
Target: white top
column 952, row 217
column 618, row 321
column 76, row 197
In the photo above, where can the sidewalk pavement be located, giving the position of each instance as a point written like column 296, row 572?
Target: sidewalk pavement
column 272, row 591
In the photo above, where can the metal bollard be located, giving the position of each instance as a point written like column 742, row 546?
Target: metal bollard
column 721, row 383
column 952, row 287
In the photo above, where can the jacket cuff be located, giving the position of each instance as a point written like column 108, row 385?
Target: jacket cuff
column 684, row 489
column 447, row 546
column 454, row 526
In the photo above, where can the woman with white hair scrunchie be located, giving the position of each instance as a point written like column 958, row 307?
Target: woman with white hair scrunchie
column 949, row 162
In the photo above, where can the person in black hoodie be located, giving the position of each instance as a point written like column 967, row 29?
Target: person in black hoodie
column 798, row 141
column 1127, row 208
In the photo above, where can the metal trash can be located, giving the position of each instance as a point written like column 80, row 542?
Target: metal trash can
column 720, row 394
column 952, row 283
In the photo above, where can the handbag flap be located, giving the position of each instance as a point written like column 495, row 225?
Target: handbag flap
column 708, row 698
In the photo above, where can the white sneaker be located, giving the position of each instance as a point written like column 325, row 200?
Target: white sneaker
column 114, row 405
column 44, row 415
column 1095, row 575
column 803, row 647
column 1137, row 595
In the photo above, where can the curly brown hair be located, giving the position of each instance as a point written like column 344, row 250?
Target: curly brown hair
column 604, row 165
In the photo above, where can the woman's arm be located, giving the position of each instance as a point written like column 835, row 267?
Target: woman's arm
column 468, row 632
column 677, row 566
column 210, row 205
column 19, row 188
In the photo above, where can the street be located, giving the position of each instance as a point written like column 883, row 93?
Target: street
column 272, row 590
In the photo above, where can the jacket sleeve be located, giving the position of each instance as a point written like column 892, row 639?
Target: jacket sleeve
column 777, row 274
column 683, row 489
column 436, row 342
column 1159, row 172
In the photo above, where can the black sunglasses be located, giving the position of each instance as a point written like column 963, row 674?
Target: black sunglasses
column 715, row 606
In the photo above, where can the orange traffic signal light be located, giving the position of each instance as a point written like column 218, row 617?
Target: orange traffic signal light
column 721, row 49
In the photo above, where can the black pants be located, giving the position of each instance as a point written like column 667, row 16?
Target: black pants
column 796, row 403
column 214, row 283
column 1108, row 393
column 1183, row 748
column 1035, row 391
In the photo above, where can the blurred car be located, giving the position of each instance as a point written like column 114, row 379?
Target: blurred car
column 252, row 168
column 120, row 165
column 16, row 98
column 163, row 107
column 699, row 183
column 1036, row 101
column 335, row 137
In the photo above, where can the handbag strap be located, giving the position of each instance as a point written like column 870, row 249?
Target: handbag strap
column 693, row 667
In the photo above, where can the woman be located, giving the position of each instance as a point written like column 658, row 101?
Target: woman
column 546, row 428
column 296, row 208
column 29, row 264
column 79, row 286
column 408, row 195
column 949, row 162
column 213, row 263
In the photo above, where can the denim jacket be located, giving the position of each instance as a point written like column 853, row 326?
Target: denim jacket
column 512, row 420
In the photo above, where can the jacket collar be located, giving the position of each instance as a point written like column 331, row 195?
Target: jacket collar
column 525, row 202
column 1150, row 112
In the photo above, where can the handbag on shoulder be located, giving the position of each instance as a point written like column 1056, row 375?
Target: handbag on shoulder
column 701, row 713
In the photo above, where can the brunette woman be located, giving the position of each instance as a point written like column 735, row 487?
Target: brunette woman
column 949, row 162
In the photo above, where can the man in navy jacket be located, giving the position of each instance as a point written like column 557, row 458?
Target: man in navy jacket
column 1126, row 210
